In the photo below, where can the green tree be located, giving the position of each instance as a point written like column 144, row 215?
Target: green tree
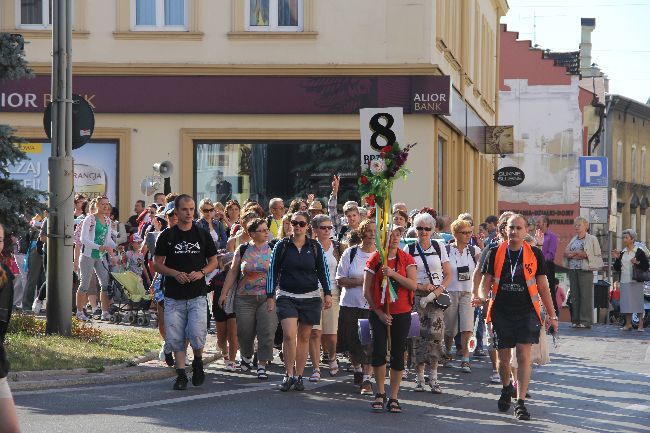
column 16, row 200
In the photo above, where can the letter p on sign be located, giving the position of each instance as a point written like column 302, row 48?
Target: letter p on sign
column 593, row 171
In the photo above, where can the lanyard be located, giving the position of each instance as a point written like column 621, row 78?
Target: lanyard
column 513, row 269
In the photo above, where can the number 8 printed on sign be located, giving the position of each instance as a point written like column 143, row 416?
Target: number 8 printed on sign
column 384, row 131
column 380, row 128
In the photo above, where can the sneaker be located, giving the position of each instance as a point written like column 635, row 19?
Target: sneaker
column 37, row 306
column 286, row 384
column 366, row 388
column 495, row 378
column 245, row 365
column 419, row 386
column 435, row 387
column 181, row 382
column 231, row 367
column 358, row 378
column 480, row 353
column 97, row 311
column 198, row 375
column 298, row 385
column 521, row 413
column 105, row 316
column 506, row 398
column 82, row 317
column 465, row 368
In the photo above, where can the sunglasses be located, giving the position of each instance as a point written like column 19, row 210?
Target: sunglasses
column 298, row 223
column 207, row 210
column 426, row 229
column 325, row 227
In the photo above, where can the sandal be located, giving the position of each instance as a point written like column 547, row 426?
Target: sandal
column 315, row 376
column 334, row 368
column 393, row 406
column 378, row 405
column 261, row 373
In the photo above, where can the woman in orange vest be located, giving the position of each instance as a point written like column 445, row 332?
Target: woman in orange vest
column 517, row 277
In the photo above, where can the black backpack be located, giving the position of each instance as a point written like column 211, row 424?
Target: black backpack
column 448, row 248
column 436, row 246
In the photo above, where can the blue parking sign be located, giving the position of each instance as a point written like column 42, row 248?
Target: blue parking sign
column 593, row 171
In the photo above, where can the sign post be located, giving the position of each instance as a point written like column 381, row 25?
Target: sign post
column 379, row 127
column 595, row 192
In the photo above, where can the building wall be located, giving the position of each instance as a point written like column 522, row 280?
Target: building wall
column 364, row 37
column 544, row 104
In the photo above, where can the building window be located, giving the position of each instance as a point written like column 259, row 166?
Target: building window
column 34, row 14
column 260, row 170
column 643, row 156
column 441, row 169
column 153, row 15
column 274, row 15
column 633, row 163
column 619, row 160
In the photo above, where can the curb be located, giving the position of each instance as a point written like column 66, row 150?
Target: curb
column 123, row 373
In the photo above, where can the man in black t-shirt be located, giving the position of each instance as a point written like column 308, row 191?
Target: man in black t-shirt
column 516, row 273
column 184, row 255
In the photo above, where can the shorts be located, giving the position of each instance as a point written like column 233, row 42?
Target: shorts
column 5, row 392
column 306, row 310
column 87, row 268
column 460, row 314
column 186, row 320
column 330, row 317
column 219, row 313
column 508, row 331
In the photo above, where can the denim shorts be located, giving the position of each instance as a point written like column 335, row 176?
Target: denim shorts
column 186, row 320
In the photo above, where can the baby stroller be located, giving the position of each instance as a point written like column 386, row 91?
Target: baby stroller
column 130, row 300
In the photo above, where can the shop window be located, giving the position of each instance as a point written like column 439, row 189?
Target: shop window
column 152, row 15
column 259, row 171
column 34, row 14
column 274, row 15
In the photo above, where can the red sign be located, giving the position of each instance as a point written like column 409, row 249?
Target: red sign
column 238, row 94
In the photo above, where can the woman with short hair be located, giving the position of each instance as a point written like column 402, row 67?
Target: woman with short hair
column 631, row 300
column 582, row 256
column 231, row 215
column 459, row 317
column 325, row 333
column 353, row 305
column 254, row 320
column 433, row 276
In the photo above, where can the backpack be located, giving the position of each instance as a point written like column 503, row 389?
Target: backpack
column 436, row 246
column 282, row 250
column 353, row 252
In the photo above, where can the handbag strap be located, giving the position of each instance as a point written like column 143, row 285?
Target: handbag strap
column 424, row 260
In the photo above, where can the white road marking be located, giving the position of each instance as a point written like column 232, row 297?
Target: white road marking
column 255, row 388
column 81, row 388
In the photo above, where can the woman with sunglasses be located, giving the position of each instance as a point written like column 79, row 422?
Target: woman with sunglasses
column 459, row 317
column 325, row 333
column 247, row 276
column 209, row 223
column 298, row 265
column 429, row 347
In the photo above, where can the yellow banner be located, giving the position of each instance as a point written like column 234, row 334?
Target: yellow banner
column 31, row 147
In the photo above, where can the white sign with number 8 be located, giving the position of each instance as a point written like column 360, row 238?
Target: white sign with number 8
column 380, row 127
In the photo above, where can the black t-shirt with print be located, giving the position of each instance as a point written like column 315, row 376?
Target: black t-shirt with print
column 189, row 252
column 512, row 298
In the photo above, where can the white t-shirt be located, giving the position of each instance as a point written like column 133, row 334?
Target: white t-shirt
column 331, row 265
column 353, row 296
column 434, row 262
column 459, row 259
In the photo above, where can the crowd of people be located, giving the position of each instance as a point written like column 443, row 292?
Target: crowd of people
column 303, row 278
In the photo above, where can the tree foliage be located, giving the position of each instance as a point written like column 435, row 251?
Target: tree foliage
column 17, row 202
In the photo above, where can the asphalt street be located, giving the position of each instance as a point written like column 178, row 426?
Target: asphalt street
column 598, row 381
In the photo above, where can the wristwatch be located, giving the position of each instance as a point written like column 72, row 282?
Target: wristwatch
column 202, row 271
